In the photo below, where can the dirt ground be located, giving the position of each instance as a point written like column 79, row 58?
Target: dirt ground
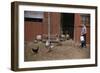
column 68, row 50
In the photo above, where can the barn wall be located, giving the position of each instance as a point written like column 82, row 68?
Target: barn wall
column 77, row 28
column 31, row 29
column 55, row 23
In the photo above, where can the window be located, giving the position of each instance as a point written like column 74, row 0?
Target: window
column 85, row 19
column 34, row 16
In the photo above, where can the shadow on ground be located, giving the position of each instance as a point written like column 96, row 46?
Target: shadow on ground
column 68, row 50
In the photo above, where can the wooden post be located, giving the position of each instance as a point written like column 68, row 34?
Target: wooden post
column 49, row 28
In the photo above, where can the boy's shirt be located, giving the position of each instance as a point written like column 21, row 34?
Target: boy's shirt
column 82, row 38
column 83, row 31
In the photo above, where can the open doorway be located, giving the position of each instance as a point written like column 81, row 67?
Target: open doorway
column 67, row 24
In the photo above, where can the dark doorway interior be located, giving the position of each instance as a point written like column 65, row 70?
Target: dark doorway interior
column 67, row 24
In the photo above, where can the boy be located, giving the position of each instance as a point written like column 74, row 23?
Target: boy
column 83, row 33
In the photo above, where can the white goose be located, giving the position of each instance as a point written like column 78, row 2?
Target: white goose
column 47, row 43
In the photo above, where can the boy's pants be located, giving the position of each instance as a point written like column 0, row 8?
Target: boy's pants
column 84, row 40
column 82, row 44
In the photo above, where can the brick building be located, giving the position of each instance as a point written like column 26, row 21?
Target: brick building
column 36, row 23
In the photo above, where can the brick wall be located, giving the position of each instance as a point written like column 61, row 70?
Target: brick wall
column 77, row 29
